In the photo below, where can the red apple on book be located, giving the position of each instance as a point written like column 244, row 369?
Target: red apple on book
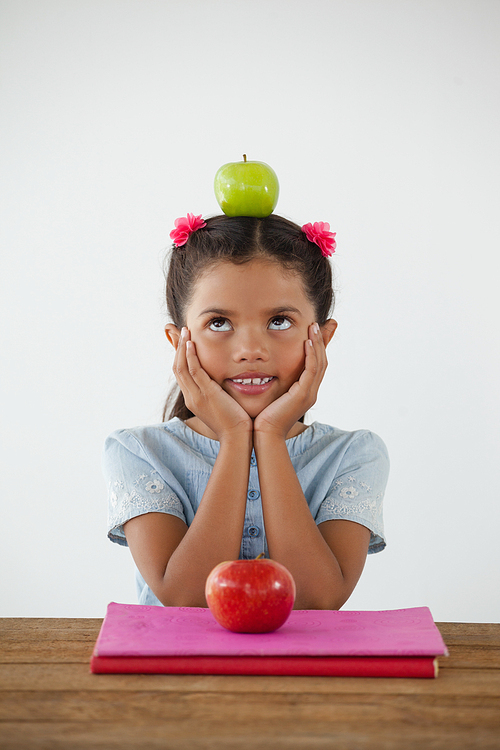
column 250, row 596
column 247, row 188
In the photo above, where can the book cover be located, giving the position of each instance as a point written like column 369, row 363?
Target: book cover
column 136, row 638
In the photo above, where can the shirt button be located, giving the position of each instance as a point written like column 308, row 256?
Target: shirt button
column 253, row 460
column 253, row 494
column 253, row 531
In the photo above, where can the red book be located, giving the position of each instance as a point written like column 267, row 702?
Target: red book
column 187, row 640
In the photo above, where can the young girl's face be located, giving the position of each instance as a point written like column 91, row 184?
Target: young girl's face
column 249, row 323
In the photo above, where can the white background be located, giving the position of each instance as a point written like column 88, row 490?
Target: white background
column 381, row 117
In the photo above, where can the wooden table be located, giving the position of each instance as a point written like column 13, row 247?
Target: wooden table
column 50, row 700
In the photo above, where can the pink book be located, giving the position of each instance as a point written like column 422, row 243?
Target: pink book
column 172, row 640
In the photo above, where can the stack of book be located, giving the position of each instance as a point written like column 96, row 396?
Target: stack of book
column 187, row 640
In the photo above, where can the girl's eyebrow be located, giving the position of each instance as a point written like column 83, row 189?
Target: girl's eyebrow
column 215, row 311
column 229, row 313
column 284, row 309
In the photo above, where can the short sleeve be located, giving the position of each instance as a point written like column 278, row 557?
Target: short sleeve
column 135, row 487
column 357, row 491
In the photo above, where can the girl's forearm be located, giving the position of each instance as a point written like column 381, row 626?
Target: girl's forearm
column 292, row 534
column 216, row 531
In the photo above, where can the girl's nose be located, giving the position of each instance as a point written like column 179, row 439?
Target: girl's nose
column 250, row 346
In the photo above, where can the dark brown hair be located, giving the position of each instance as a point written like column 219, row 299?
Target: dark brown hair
column 241, row 239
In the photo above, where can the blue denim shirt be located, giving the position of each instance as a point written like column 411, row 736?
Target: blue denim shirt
column 165, row 468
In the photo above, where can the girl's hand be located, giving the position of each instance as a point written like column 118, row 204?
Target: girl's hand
column 279, row 417
column 204, row 397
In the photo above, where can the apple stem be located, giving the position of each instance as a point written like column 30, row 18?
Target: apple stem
column 259, row 556
column 244, row 159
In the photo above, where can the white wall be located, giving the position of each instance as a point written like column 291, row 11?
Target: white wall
column 380, row 116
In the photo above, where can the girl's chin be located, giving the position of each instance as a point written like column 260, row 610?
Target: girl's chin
column 253, row 409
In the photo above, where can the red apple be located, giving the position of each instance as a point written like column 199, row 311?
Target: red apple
column 250, row 596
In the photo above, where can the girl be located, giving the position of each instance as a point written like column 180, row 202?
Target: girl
column 235, row 471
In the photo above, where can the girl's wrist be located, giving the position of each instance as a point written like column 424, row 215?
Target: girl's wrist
column 267, row 440
column 237, row 440
column 264, row 430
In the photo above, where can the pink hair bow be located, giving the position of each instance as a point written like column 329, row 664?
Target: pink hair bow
column 320, row 234
column 184, row 227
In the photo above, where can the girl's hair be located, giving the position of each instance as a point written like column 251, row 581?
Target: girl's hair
column 239, row 240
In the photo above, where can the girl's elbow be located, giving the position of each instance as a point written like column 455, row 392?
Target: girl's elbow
column 325, row 599
column 182, row 601
column 172, row 597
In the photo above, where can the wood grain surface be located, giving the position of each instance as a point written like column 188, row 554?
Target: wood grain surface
column 49, row 700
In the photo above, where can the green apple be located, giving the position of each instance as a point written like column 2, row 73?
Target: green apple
column 247, row 188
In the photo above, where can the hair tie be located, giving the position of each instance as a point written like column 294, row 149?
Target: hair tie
column 320, row 234
column 184, row 227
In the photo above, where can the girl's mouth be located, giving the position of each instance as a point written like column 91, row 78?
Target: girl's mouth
column 251, row 386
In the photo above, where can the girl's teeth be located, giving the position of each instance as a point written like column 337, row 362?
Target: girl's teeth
column 252, row 381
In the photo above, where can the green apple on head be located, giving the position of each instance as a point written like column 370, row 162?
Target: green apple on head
column 246, row 188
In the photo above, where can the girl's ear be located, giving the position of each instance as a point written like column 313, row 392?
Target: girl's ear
column 328, row 330
column 173, row 334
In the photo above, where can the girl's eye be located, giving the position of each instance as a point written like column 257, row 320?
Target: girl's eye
column 279, row 323
column 219, row 324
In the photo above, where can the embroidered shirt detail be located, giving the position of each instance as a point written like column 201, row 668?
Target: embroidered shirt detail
column 155, row 487
column 348, row 492
column 133, row 504
column 367, row 507
column 340, row 510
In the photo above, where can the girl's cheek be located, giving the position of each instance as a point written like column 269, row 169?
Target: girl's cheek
column 208, row 357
